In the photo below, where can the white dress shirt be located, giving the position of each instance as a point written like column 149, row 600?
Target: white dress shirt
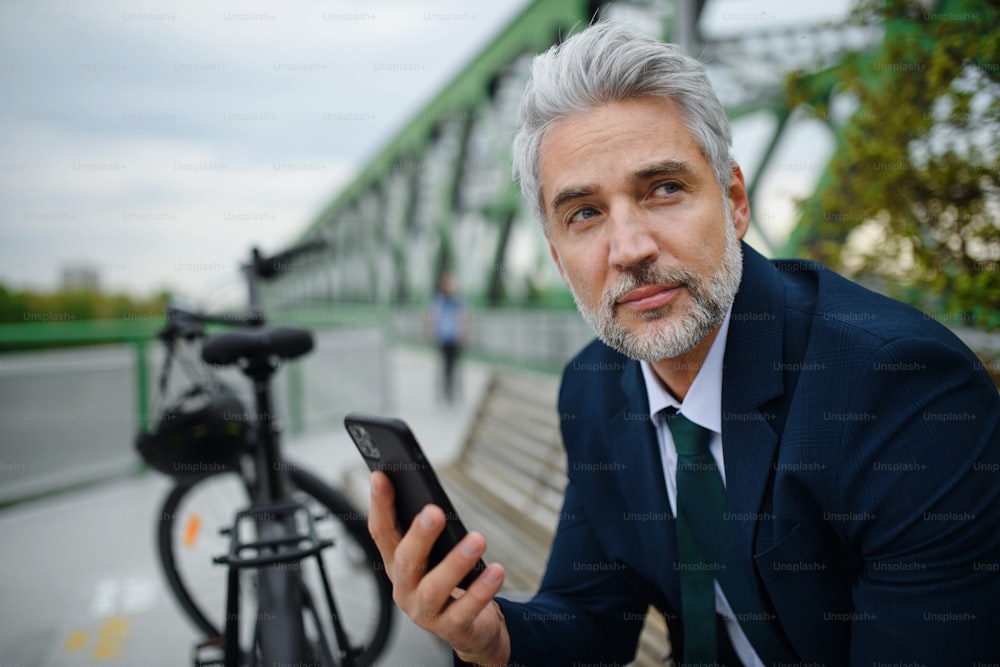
column 703, row 406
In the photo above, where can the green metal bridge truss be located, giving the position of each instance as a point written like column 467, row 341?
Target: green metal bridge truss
column 439, row 194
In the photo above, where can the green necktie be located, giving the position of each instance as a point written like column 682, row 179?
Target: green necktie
column 699, row 491
column 707, row 545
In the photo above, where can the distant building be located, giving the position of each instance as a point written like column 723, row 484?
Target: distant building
column 79, row 276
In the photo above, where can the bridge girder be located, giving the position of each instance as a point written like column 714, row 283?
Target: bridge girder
column 439, row 193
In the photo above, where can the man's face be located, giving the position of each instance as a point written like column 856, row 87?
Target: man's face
column 640, row 228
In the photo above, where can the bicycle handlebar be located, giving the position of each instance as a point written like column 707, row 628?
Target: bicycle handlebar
column 189, row 323
column 265, row 268
column 270, row 267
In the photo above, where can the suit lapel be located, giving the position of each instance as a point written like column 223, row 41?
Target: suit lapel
column 751, row 377
column 633, row 439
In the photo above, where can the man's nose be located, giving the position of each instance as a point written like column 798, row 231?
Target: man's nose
column 631, row 240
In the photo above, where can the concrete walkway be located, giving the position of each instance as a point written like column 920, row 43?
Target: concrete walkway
column 79, row 582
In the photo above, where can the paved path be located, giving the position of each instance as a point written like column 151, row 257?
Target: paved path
column 78, row 581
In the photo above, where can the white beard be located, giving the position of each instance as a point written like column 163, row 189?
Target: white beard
column 666, row 337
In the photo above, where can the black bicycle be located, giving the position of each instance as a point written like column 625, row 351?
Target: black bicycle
column 305, row 583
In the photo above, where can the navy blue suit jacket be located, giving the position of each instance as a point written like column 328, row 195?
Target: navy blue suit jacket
column 862, row 449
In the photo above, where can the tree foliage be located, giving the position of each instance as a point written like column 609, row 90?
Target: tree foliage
column 74, row 305
column 911, row 198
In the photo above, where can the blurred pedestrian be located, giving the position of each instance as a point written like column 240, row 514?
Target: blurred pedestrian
column 448, row 323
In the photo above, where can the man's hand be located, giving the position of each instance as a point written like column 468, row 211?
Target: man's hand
column 470, row 621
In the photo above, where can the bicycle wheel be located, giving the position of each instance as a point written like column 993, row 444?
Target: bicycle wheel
column 188, row 538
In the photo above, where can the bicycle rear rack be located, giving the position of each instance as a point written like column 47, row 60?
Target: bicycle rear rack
column 300, row 542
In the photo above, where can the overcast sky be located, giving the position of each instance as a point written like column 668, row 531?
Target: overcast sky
column 159, row 140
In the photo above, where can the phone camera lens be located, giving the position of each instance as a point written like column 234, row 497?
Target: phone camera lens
column 364, row 441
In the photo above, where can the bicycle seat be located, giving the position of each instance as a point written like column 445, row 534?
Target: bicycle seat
column 257, row 343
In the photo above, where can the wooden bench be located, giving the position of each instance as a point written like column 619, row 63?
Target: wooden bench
column 508, row 481
column 509, row 477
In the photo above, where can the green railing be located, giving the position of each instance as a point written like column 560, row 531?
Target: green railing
column 139, row 331
column 74, row 393
column 135, row 331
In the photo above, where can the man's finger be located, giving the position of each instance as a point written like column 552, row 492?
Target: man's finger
column 412, row 551
column 435, row 589
column 382, row 517
column 463, row 612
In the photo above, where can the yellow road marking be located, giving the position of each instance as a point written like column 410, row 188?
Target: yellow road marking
column 111, row 636
column 75, row 641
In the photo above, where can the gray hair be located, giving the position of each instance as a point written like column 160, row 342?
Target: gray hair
column 611, row 63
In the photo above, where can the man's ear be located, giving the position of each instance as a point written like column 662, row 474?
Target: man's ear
column 739, row 200
column 555, row 258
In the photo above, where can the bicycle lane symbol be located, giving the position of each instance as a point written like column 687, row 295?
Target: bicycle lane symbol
column 112, row 600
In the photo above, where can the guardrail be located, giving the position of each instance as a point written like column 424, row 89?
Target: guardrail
column 68, row 415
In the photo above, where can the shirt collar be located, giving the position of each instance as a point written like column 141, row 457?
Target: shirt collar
column 703, row 402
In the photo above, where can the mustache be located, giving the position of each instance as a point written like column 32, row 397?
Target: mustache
column 645, row 276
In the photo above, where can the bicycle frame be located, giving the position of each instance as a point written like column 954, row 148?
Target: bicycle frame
column 269, row 465
column 268, row 462
column 283, row 530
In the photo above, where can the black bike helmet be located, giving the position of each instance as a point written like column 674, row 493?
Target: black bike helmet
column 204, row 432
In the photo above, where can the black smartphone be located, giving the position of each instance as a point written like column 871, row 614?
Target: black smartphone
column 387, row 444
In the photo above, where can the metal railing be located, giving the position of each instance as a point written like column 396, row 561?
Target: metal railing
column 68, row 415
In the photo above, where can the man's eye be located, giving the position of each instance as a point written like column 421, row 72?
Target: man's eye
column 666, row 189
column 582, row 215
